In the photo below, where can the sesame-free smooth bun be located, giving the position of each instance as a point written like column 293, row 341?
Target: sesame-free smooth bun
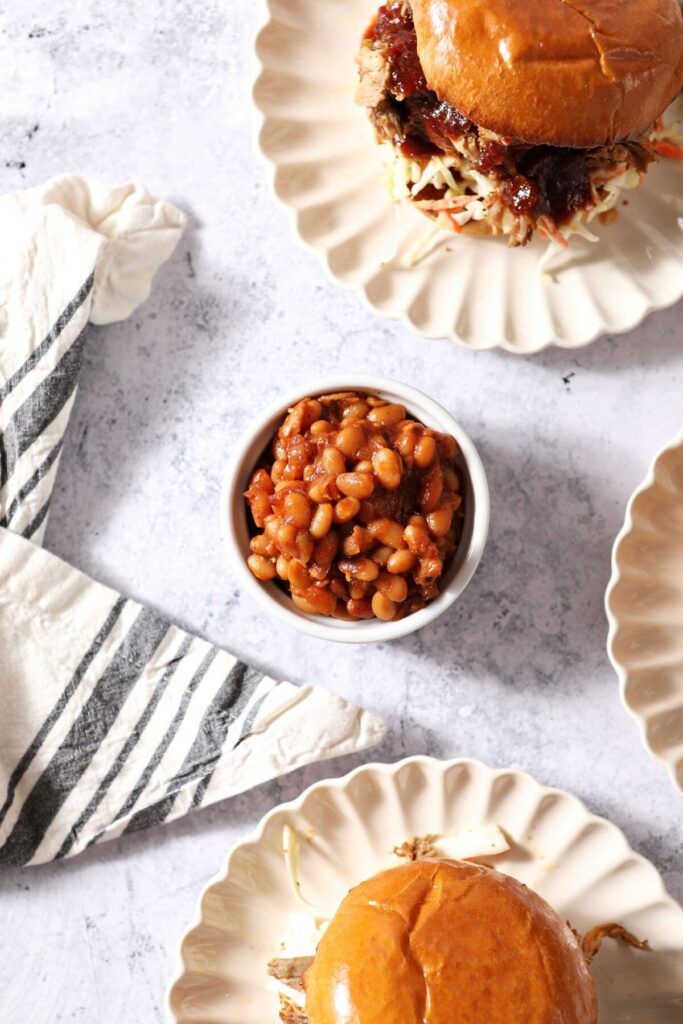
column 574, row 73
column 447, row 942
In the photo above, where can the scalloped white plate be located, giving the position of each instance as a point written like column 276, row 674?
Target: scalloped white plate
column 644, row 604
column 580, row 863
column 327, row 174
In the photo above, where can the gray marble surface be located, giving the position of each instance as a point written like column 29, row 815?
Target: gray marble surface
column 516, row 673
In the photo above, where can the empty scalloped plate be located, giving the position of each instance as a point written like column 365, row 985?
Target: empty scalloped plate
column 327, row 174
column 580, row 863
column 645, row 609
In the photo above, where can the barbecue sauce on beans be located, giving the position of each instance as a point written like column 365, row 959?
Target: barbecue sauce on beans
column 356, row 509
column 534, row 180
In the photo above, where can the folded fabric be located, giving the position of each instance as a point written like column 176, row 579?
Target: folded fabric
column 111, row 718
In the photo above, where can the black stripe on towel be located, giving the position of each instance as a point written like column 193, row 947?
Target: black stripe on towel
column 245, row 731
column 163, row 746
column 126, row 750
column 208, row 745
column 50, row 338
column 32, row 482
column 57, row 710
column 70, row 761
column 40, row 408
column 37, row 521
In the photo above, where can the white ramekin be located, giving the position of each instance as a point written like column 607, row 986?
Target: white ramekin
column 234, row 522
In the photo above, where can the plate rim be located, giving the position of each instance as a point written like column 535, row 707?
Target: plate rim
column 392, row 768
column 258, row 69
column 613, row 620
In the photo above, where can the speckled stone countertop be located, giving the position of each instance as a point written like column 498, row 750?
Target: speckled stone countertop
column 516, row 673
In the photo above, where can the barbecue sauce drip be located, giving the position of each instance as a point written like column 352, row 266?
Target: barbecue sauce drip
column 535, row 180
column 429, row 124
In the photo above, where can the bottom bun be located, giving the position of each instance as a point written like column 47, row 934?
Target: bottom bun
column 448, row 942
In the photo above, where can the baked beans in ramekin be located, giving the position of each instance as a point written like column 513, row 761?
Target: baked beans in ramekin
column 364, row 510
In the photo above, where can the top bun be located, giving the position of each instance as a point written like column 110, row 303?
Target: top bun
column 447, row 942
column 578, row 73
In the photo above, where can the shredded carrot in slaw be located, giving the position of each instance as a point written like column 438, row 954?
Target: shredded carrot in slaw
column 667, row 149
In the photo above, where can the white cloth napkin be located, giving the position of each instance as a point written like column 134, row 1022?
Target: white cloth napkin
column 111, row 718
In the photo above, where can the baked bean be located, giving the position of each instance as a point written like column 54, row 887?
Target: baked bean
column 278, row 470
column 282, row 567
column 286, row 539
column 431, row 488
column 271, row 526
column 448, row 447
column 260, row 507
column 401, row 561
column 259, row 544
column 359, row 568
column 261, row 481
column 323, row 489
column 383, row 608
column 417, row 539
column 299, row 452
column 321, row 427
column 338, row 396
column 393, row 587
column 333, row 461
column 425, row 452
column 356, row 485
column 346, row 509
column 387, row 415
column 439, row 521
column 326, row 549
column 357, row 542
column 262, row 568
column 304, row 545
column 322, row 520
column 359, row 509
column 429, row 571
column 375, row 443
column 405, row 444
column 298, row 575
column 360, row 609
column 382, row 555
column 386, row 466
column 297, row 510
column 304, row 605
column 388, row 532
column 349, row 441
column 356, row 411
column 323, row 601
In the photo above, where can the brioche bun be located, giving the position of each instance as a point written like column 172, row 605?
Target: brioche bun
column 447, row 942
column 575, row 73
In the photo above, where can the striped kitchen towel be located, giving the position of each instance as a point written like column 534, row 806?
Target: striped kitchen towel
column 111, row 718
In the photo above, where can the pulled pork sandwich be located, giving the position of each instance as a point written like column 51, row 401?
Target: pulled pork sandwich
column 441, row 942
column 506, row 117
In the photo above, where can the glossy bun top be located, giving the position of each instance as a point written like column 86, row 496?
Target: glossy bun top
column 579, row 73
column 448, row 942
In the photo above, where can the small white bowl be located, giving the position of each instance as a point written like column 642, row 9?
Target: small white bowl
column 234, row 521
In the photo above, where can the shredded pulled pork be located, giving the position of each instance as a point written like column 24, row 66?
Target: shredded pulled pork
column 289, row 972
column 592, row 940
column 417, row 848
column 461, row 174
